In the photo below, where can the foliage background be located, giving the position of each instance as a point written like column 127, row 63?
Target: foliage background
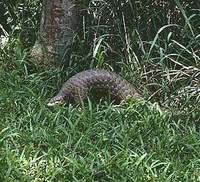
column 153, row 44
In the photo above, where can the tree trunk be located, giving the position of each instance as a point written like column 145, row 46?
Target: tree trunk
column 57, row 27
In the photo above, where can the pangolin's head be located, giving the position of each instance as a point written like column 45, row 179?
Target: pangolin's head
column 57, row 100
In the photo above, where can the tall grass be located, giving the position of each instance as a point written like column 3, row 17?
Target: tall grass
column 153, row 44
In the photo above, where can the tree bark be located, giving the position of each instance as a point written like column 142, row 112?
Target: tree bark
column 57, row 28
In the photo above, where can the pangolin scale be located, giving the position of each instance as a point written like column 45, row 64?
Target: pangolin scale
column 79, row 85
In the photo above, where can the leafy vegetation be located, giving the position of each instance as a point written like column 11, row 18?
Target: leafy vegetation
column 155, row 45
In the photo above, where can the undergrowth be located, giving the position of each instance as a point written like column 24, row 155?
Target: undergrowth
column 154, row 45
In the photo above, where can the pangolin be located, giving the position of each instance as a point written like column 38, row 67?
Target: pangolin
column 78, row 87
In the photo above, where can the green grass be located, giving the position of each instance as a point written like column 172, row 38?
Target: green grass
column 157, row 51
column 102, row 142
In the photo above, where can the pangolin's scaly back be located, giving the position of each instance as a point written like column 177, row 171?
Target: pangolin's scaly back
column 78, row 86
